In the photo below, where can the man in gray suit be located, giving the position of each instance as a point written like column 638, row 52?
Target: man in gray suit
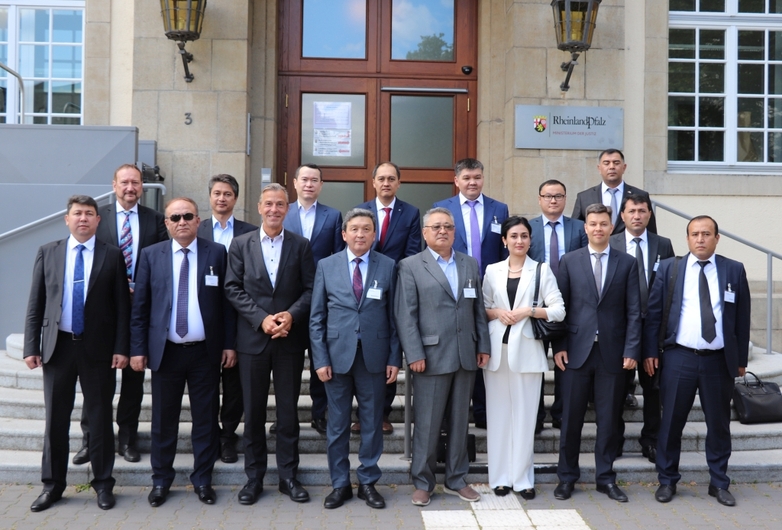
column 439, row 305
column 354, row 346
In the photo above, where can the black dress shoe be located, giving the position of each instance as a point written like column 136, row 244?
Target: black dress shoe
column 273, row 428
column 228, row 452
column 501, row 491
column 45, row 501
column 157, row 496
column 631, row 402
column 293, row 489
column 557, row 424
column 527, row 494
column 250, row 492
column 337, row 497
column 319, row 424
column 613, row 492
column 206, row 494
column 368, row 493
column 724, row 497
column 129, row 452
column 665, row 492
column 480, row 424
column 564, row 490
column 650, row 452
column 82, row 457
column 106, row 500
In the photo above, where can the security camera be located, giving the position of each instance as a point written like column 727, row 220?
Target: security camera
column 466, row 70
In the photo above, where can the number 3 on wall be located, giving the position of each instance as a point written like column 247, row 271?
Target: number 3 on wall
column 188, row 118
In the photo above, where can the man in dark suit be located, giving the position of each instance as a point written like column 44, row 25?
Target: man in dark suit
column 131, row 227
column 322, row 226
column 478, row 220
column 221, row 228
column 553, row 230
column 445, row 336
column 706, row 345
column 356, row 350
column 399, row 237
column 270, row 276
column 183, row 328
column 648, row 249
column 77, row 327
column 600, row 288
column 611, row 192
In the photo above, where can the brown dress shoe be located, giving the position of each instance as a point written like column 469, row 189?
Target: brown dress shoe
column 355, row 428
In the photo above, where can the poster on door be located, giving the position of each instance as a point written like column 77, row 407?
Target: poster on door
column 331, row 127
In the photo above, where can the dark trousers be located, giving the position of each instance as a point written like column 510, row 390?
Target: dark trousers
column 577, row 383
column 682, row 375
column 369, row 389
column 479, row 399
column 255, row 371
column 388, row 401
column 556, row 407
column 317, row 393
column 651, row 409
column 131, row 394
column 195, row 366
column 233, row 407
column 98, row 381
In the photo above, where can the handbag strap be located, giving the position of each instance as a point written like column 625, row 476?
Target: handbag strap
column 535, row 301
column 757, row 382
column 667, row 309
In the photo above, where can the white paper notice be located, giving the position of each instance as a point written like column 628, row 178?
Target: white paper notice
column 331, row 128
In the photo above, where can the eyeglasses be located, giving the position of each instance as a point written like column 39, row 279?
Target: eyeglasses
column 437, row 228
column 549, row 198
column 175, row 218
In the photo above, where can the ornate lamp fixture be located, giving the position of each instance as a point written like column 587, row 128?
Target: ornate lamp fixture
column 574, row 24
column 182, row 20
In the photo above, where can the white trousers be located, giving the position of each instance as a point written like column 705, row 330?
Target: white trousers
column 511, row 412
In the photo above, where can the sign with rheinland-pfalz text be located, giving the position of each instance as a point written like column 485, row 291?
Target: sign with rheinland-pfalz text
column 559, row 127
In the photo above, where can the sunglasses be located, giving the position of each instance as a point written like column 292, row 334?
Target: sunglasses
column 175, row 218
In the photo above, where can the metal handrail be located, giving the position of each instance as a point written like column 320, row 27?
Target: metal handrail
column 21, row 90
column 56, row 215
column 770, row 255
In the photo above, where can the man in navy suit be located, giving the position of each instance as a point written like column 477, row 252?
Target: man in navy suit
column 600, row 288
column 356, row 349
column 553, row 230
column 648, row 249
column 399, row 237
column 478, row 219
column 322, row 226
column 705, row 346
column 612, row 191
column 221, row 228
column 183, row 328
column 131, row 227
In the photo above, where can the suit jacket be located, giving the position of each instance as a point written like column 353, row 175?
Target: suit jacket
column 616, row 313
column 492, row 249
column 525, row 353
column 594, row 195
column 106, row 308
column 448, row 333
column 660, row 248
column 250, row 290
column 326, row 236
column 151, row 227
column 575, row 237
column 404, row 230
column 206, row 228
column 735, row 316
column 153, row 301
column 336, row 318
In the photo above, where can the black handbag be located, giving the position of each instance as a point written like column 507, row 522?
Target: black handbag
column 756, row 401
column 542, row 328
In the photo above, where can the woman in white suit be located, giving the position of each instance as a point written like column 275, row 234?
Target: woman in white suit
column 515, row 370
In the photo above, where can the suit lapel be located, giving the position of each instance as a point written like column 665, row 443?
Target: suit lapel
column 502, row 280
column 458, row 219
column 203, row 259
column 434, row 269
column 586, row 263
column 722, row 279
column 488, row 216
column 371, row 273
column 461, row 276
column 258, row 263
column 294, row 223
column 320, row 220
column 287, row 243
column 98, row 258
column 59, row 265
column 567, row 227
column 142, row 225
column 168, row 274
column 396, row 213
column 651, row 258
column 613, row 258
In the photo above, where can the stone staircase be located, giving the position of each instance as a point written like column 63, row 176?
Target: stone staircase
column 757, row 449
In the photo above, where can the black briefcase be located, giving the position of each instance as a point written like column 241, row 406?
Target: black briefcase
column 756, row 401
column 442, row 445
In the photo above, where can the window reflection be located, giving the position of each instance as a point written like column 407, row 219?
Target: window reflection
column 422, row 30
column 334, row 29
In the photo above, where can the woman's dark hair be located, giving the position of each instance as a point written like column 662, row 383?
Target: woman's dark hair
column 512, row 221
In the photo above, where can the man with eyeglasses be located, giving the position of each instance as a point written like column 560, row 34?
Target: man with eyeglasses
column 553, row 235
column 322, row 226
column 445, row 336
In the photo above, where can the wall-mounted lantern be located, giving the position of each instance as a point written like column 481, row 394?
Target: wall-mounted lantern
column 182, row 20
column 574, row 24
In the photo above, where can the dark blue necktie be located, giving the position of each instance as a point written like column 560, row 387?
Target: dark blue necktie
column 77, row 306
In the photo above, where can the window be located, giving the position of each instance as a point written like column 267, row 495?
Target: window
column 44, row 43
column 725, row 85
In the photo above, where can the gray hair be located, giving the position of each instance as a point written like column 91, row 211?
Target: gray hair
column 358, row 212
column 439, row 209
column 274, row 186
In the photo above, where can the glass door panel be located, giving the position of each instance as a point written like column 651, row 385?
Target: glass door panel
column 334, row 29
column 333, row 129
column 422, row 30
column 422, row 131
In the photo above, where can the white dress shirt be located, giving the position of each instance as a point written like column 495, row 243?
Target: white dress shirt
column 67, row 286
column 134, row 230
column 381, row 215
column 630, row 246
column 449, row 269
column 221, row 235
column 604, row 261
column 195, row 323
column 363, row 266
column 271, row 248
column 547, row 237
column 466, row 217
column 307, row 219
column 606, row 195
column 689, row 332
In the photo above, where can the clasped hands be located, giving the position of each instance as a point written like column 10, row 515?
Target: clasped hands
column 510, row 317
column 277, row 325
